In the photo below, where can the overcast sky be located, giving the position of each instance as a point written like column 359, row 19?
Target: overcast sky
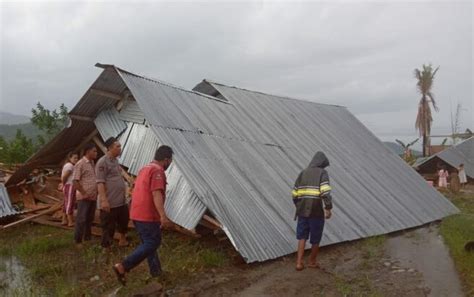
column 360, row 55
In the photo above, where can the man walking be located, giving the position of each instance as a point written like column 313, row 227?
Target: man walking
column 85, row 184
column 111, row 187
column 311, row 189
column 148, row 214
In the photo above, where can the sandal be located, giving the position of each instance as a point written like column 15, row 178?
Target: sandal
column 120, row 276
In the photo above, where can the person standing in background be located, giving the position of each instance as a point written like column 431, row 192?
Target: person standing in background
column 85, row 183
column 68, row 189
column 462, row 176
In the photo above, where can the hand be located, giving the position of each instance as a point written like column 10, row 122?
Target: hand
column 327, row 213
column 60, row 186
column 105, row 205
column 166, row 223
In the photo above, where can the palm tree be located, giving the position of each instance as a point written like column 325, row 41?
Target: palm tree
column 424, row 119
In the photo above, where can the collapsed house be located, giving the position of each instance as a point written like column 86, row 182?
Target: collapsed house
column 451, row 158
column 237, row 155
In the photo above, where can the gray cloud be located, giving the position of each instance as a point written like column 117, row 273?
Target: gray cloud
column 360, row 55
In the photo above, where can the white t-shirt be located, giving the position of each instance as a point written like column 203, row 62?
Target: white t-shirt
column 68, row 167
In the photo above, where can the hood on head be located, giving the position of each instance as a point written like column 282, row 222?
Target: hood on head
column 319, row 160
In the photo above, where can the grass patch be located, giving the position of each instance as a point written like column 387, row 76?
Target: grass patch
column 57, row 268
column 457, row 230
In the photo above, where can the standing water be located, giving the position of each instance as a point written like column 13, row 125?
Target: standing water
column 14, row 278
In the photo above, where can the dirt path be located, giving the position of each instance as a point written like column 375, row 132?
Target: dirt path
column 392, row 267
column 424, row 250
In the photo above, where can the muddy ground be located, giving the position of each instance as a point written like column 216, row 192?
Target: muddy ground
column 411, row 263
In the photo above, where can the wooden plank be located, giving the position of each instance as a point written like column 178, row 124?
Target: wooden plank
column 45, row 199
column 35, row 210
column 81, row 118
column 213, row 221
column 185, row 231
column 42, row 213
column 107, row 94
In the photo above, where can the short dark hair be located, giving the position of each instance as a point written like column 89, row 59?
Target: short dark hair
column 70, row 154
column 89, row 146
column 163, row 152
column 109, row 142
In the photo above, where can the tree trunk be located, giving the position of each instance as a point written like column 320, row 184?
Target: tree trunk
column 424, row 145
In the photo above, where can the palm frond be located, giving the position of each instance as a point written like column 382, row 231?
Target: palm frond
column 413, row 142
column 400, row 143
column 431, row 96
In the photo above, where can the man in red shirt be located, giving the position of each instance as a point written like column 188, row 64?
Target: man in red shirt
column 147, row 211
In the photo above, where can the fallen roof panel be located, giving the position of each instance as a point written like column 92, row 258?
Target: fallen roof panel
column 242, row 158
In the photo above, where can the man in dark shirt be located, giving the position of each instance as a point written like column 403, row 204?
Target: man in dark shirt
column 112, row 202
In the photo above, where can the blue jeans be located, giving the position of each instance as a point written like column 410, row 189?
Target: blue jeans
column 150, row 235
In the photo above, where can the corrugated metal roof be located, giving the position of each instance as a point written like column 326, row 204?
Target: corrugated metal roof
column 6, row 208
column 182, row 205
column 138, row 148
column 461, row 153
column 139, row 144
column 131, row 112
column 242, row 158
column 108, row 123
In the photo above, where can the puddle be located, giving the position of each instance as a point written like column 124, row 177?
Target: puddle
column 14, row 278
column 424, row 250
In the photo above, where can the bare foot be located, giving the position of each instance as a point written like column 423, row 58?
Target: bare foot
column 313, row 265
column 123, row 243
column 299, row 266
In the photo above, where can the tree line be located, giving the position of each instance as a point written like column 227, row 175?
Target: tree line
column 21, row 147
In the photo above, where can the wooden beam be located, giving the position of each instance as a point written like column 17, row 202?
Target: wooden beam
column 124, row 99
column 212, row 221
column 107, row 94
column 100, row 144
column 86, row 140
column 81, row 118
column 45, row 212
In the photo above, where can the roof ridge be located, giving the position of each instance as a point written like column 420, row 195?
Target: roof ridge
column 118, row 69
column 268, row 94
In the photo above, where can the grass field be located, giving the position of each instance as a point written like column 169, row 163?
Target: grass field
column 57, row 268
column 456, row 231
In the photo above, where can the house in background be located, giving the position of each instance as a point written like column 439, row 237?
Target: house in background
column 451, row 158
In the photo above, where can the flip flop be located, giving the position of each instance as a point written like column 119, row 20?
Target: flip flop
column 120, row 276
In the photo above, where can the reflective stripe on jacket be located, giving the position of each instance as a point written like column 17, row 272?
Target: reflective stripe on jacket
column 312, row 188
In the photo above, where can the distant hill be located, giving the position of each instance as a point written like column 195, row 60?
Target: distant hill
column 398, row 149
column 7, row 118
column 8, row 132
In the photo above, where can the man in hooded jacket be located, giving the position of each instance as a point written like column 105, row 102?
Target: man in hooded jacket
column 312, row 198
